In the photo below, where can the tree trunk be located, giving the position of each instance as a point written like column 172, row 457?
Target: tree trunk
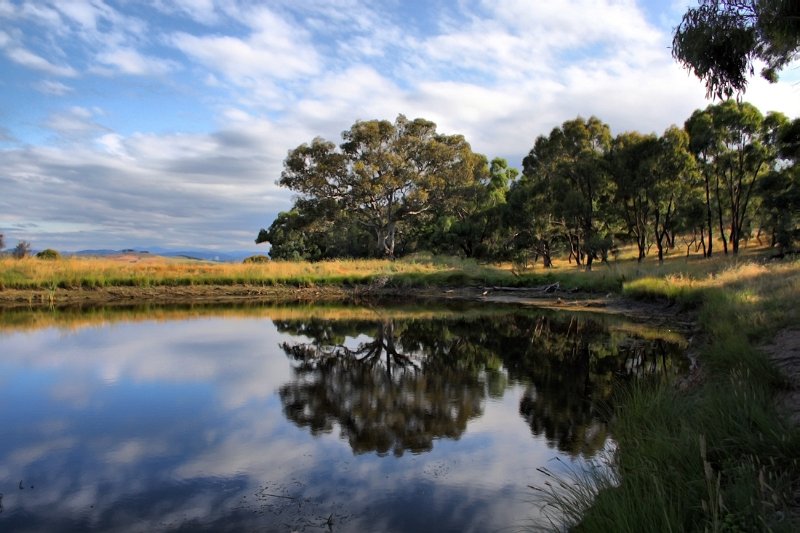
column 707, row 253
column 721, row 224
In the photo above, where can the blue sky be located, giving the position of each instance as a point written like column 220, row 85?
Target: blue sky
column 136, row 123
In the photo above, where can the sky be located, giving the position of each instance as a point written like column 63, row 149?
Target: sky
column 165, row 123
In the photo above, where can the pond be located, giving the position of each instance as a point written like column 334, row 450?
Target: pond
column 312, row 418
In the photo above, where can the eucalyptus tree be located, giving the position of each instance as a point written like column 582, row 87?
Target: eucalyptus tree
column 475, row 227
column 384, row 175
column 531, row 220
column 780, row 189
column 629, row 158
column 570, row 163
column 672, row 171
column 653, row 177
column 313, row 231
column 746, row 154
column 737, row 147
column 721, row 40
column 471, row 225
column 703, row 144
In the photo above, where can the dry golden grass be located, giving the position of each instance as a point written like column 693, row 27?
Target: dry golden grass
column 129, row 270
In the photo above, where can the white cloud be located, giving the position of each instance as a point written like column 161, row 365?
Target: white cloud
column 203, row 11
column 54, row 88
column 130, row 61
column 84, row 13
column 267, row 54
column 28, row 59
column 75, row 122
column 6, row 8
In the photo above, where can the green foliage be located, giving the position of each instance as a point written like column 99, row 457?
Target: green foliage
column 48, row 254
column 720, row 40
column 392, row 189
column 384, row 179
column 256, row 259
column 568, row 168
column 779, row 190
column 474, row 228
column 736, row 147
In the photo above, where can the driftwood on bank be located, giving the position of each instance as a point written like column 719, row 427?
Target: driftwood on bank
column 553, row 287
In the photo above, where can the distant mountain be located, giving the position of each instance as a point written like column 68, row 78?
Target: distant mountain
column 222, row 257
column 228, row 256
column 94, row 252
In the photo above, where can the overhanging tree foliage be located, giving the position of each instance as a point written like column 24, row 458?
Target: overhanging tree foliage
column 720, row 40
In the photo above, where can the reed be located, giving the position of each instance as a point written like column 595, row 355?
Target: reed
column 716, row 455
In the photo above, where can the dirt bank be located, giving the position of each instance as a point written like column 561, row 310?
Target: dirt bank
column 563, row 300
column 784, row 352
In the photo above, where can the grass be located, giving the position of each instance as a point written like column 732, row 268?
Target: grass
column 415, row 271
column 716, row 456
column 80, row 272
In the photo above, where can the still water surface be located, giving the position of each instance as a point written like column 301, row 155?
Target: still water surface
column 302, row 419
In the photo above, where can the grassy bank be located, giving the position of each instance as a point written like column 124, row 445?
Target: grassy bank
column 713, row 455
column 417, row 271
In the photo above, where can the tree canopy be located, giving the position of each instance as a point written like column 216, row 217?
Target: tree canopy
column 729, row 174
column 381, row 178
column 720, row 41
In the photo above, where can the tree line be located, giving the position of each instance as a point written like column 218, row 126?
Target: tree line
column 394, row 188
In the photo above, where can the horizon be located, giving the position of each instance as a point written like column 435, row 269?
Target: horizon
column 128, row 125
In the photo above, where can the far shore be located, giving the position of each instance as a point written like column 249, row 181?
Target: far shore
column 654, row 313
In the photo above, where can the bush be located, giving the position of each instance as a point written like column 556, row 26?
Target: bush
column 49, row 254
column 259, row 258
column 22, row 249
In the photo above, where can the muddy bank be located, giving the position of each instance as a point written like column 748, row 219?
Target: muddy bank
column 556, row 299
column 784, row 353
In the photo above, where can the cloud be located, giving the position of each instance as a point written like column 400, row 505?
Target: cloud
column 130, row 61
column 273, row 50
column 206, row 190
column 76, row 122
column 29, row 59
column 203, row 11
column 53, row 88
column 6, row 136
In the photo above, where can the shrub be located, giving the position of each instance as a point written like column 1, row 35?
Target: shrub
column 49, row 254
column 22, row 249
column 258, row 258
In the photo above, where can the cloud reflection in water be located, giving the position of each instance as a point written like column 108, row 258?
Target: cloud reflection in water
column 216, row 423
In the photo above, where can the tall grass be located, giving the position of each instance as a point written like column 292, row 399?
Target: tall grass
column 717, row 455
column 78, row 272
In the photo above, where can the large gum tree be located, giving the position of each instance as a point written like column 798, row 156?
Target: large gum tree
column 570, row 164
column 736, row 147
column 384, row 176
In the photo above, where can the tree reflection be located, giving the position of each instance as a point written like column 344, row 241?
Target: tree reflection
column 414, row 381
column 383, row 398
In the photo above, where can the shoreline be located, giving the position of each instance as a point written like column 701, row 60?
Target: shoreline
column 608, row 303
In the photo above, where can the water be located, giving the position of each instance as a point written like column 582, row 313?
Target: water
column 302, row 419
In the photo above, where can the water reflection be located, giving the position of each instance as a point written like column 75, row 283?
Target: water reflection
column 414, row 381
column 382, row 396
column 280, row 418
